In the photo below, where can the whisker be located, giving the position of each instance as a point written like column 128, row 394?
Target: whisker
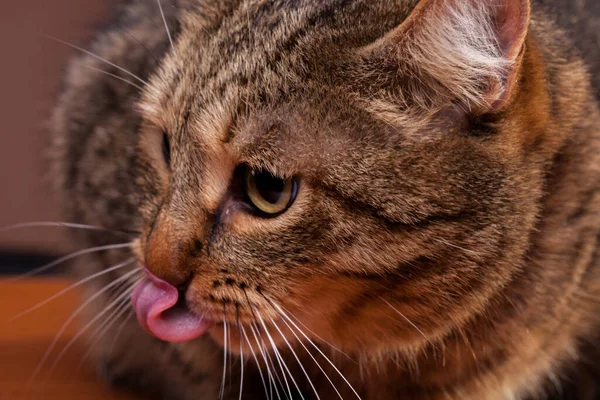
column 98, row 58
column 241, row 352
column 315, row 346
column 229, row 356
column 114, row 76
column 269, row 363
column 407, row 320
column 42, row 224
column 319, row 337
column 260, row 372
column 73, row 286
column 125, row 31
column 454, row 246
column 126, row 293
column 72, row 317
column 222, row 391
column 120, row 329
column 162, row 14
column 264, row 351
column 297, row 359
column 117, row 313
column 314, row 359
column 67, row 258
column 280, row 359
column 251, row 308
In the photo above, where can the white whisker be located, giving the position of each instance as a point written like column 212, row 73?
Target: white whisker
column 120, row 329
column 319, row 337
column 73, row 286
column 229, row 360
column 444, row 242
column 162, row 14
column 115, row 76
column 264, row 352
column 269, row 363
column 314, row 359
column 297, row 359
column 280, row 359
column 260, row 372
column 141, row 44
column 98, row 58
column 67, row 258
column 317, row 348
column 42, row 224
column 117, row 313
column 406, row 319
column 241, row 361
column 222, row 391
column 72, row 317
column 123, row 296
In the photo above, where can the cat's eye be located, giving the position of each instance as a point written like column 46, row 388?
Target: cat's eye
column 166, row 148
column 269, row 194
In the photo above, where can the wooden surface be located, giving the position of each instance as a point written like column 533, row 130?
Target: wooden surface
column 24, row 341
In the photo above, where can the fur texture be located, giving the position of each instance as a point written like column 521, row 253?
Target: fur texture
column 445, row 233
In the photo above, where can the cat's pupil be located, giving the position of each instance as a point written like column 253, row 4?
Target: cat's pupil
column 166, row 148
column 269, row 187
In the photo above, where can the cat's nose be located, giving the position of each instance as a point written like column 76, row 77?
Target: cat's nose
column 170, row 256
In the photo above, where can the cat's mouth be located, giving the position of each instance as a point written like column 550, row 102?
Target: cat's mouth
column 162, row 312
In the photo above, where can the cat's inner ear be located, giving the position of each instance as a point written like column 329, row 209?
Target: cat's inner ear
column 465, row 51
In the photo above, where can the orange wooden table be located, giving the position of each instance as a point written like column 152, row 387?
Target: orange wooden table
column 24, row 341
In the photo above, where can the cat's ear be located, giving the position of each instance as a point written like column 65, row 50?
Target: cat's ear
column 468, row 51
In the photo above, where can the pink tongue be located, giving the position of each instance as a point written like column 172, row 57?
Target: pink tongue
column 156, row 305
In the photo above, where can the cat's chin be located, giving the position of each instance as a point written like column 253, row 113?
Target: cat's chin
column 162, row 312
column 238, row 339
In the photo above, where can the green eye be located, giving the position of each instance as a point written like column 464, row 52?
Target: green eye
column 269, row 194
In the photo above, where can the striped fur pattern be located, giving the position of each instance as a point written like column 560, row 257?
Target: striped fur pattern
column 445, row 234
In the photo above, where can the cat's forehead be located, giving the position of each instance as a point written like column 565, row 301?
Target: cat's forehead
column 260, row 68
column 260, row 50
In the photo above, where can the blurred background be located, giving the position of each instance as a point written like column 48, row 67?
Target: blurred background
column 32, row 69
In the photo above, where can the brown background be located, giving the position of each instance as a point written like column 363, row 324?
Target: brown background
column 31, row 67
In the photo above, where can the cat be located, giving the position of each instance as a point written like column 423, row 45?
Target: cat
column 351, row 199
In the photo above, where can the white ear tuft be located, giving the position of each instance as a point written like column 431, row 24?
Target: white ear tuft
column 463, row 50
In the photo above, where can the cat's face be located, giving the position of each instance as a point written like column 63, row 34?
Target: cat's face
column 312, row 173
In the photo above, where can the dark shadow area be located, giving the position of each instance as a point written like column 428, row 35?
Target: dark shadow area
column 17, row 263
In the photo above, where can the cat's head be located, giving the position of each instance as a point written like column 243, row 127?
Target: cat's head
column 371, row 169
